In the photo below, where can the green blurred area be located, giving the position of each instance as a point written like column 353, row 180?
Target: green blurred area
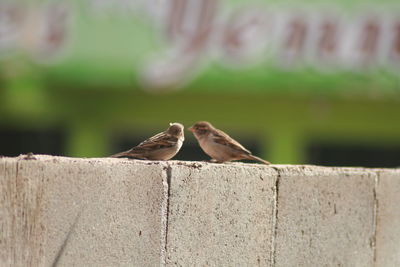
column 92, row 92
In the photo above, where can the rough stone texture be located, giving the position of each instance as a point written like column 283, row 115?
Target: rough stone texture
column 220, row 215
column 57, row 211
column 388, row 223
column 21, row 222
column 325, row 217
column 75, row 212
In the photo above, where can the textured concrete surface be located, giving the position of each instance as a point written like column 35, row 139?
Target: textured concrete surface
column 325, row 217
column 57, row 211
column 220, row 215
column 82, row 212
column 21, row 222
column 388, row 223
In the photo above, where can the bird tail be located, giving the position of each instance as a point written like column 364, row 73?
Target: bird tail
column 252, row 157
column 119, row 155
column 125, row 154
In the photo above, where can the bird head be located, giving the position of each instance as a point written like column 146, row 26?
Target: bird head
column 201, row 128
column 175, row 129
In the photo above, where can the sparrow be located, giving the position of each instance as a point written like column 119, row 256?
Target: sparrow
column 220, row 146
column 162, row 146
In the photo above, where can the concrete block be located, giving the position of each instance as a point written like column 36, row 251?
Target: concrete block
column 326, row 217
column 220, row 214
column 57, row 211
column 388, row 223
column 82, row 212
column 21, row 223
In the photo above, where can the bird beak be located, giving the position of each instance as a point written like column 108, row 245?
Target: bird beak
column 190, row 129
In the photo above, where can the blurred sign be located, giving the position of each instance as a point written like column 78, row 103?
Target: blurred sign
column 178, row 39
column 39, row 31
column 290, row 39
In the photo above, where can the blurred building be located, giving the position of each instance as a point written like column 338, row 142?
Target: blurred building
column 294, row 83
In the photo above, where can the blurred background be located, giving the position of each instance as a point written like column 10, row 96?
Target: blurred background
column 296, row 82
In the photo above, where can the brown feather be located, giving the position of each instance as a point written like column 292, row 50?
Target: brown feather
column 158, row 141
column 252, row 157
column 222, row 138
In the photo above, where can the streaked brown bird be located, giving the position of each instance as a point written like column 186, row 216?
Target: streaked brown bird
column 220, row 146
column 162, row 146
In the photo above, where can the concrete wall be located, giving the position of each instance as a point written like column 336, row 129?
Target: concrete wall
column 57, row 211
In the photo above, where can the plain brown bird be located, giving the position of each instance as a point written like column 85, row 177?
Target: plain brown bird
column 220, row 146
column 162, row 146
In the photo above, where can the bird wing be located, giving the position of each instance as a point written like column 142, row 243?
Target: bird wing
column 222, row 138
column 158, row 141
